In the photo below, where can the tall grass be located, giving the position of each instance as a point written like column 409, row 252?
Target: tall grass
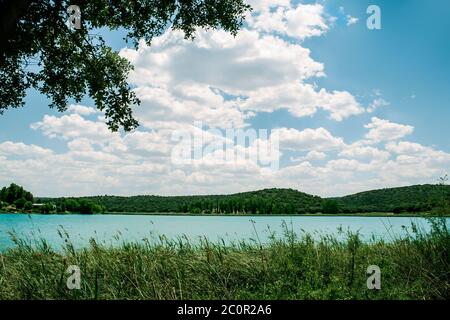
column 415, row 266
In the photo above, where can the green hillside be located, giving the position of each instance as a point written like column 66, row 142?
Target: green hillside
column 269, row 201
column 417, row 198
column 413, row 199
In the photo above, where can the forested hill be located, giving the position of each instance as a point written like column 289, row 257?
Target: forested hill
column 403, row 199
column 268, row 201
column 419, row 198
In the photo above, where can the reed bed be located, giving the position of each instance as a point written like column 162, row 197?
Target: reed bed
column 415, row 266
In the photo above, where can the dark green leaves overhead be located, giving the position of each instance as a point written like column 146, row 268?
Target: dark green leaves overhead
column 38, row 50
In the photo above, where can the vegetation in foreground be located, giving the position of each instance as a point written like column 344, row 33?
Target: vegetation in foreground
column 413, row 267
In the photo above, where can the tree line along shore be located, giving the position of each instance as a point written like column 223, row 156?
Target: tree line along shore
column 418, row 199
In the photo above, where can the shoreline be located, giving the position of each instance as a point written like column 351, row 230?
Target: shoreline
column 174, row 214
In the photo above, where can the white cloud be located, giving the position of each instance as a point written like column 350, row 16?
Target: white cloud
column 234, row 64
column 81, row 110
column 187, row 104
column 224, row 81
column 309, row 139
column 404, row 147
column 297, row 21
column 351, row 165
column 315, row 155
column 351, row 20
column 139, row 163
column 409, row 150
column 261, row 5
column 369, row 153
column 72, row 126
column 312, row 155
column 340, row 104
column 9, row 148
column 377, row 103
column 384, row 130
column 302, row 100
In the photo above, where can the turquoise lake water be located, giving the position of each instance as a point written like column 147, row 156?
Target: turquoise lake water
column 115, row 229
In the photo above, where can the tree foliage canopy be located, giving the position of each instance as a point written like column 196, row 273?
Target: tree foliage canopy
column 38, row 50
column 419, row 198
column 13, row 193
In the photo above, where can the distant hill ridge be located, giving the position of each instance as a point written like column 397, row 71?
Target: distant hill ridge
column 417, row 198
column 411, row 199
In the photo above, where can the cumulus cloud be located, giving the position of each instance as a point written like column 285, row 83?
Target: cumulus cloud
column 8, row 148
column 81, row 110
column 298, row 21
column 340, row 104
column 223, row 82
column 302, row 100
column 410, row 151
column 234, row 64
column 71, row 126
column 187, row 104
column 141, row 161
column 261, row 5
column 368, row 153
column 309, row 139
column 405, row 147
column 384, row 130
column 312, row 155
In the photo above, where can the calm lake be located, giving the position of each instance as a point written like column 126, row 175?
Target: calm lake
column 115, row 229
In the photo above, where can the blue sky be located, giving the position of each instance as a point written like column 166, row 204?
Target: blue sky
column 409, row 56
column 404, row 66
